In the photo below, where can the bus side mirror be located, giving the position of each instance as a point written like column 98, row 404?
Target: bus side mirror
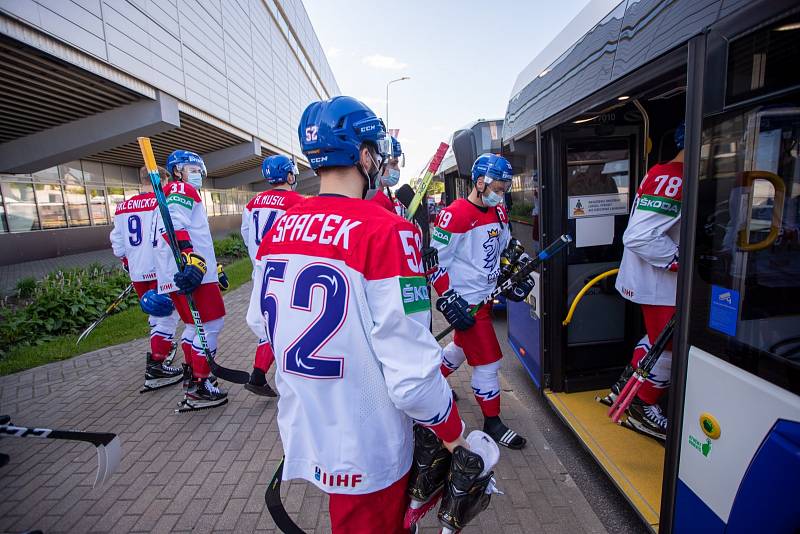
column 465, row 151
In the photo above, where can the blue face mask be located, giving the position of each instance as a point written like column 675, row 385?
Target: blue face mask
column 492, row 199
column 391, row 179
column 196, row 179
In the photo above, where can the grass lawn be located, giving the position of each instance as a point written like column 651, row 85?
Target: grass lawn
column 118, row 328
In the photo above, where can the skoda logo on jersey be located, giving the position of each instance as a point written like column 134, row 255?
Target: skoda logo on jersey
column 414, row 292
column 491, row 248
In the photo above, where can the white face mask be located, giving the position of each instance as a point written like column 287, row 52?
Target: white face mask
column 492, row 199
column 391, row 179
column 195, row 179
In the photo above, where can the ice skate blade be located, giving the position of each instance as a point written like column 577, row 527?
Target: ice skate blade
column 417, row 509
column 261, row 391
column 159, row 383
column 631, row 426
column 186, row 407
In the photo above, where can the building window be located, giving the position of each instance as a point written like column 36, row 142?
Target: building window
column 71, row 173
column 51, row 206
column 97, row 200
column 115, row 196
column 20, row 204
column 77, row 208
column 130, row 192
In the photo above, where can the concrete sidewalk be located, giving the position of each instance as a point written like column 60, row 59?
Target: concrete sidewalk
column 207, row 471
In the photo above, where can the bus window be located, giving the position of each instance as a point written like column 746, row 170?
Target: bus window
column 746, row 294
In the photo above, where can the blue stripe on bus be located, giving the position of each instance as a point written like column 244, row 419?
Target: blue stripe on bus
column 693, row 515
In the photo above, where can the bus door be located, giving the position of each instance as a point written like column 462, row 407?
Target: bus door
column 594, row 170
column 739, row 441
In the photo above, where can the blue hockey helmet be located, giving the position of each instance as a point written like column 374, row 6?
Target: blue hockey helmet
column 332, row 131
column 179, row 158
column 680, row 134
column 493, row 167
column 397, row 150
column 276, row 169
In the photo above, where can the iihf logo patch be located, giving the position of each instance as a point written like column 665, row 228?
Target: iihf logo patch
column 491, row 248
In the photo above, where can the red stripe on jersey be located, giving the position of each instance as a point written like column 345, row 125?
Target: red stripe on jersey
column 663, row 180
column 182, row 188
column 137, row 203
column 369, row 239
column 277, row 198
column 462, row 216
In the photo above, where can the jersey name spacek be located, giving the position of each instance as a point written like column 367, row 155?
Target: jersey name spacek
column 339, row 292
column 134, row 235
column 261, row 213
column 190, row 222
column 652, row 237
column 469, row 241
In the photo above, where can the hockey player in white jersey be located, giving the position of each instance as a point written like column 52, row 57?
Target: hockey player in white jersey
column 648, row 275
column 187, row 170
column 133, row 240
column 258, row 217
column 390, row 175
column 471, row 235
column 339, row 289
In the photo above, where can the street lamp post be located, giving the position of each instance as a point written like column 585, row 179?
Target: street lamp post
column 387, row 96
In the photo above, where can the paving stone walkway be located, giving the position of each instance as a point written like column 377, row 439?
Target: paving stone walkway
column 207, row 471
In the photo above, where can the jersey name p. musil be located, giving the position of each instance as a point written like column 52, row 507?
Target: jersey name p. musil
column 469, row 240
column 190, row 222
column 340, row 293
column 261, row 213
column 135, row 237
column 652, row 237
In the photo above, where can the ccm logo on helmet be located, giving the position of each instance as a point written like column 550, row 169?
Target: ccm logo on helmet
column 368, row 128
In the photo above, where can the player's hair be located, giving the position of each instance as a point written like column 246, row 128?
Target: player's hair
column 143, row 175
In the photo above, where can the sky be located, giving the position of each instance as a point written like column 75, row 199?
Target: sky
column 462, row 56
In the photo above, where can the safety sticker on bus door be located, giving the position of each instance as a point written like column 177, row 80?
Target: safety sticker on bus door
column 724, row 310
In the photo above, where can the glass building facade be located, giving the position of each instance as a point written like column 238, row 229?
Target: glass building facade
column 86, row 193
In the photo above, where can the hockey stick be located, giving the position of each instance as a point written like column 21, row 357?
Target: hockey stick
column 275, row 507
column 122, row 296
column 646, row 364
column 520, row 275
column 427, row 178
column 231, row 375
column 109, row 451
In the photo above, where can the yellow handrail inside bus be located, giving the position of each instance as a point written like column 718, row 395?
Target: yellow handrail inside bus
column 777, row 211
column 583, row 291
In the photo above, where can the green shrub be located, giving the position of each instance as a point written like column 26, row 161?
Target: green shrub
column 63, row 302
column 230, row 247
column 25, row 287
column 521, row 209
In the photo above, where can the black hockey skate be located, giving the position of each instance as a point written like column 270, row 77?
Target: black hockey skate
column 647, row 419
column 616, row 387
column 158, row 375
column 503, row 435
column 200, row 395
column 465, row 493
column 258, row 384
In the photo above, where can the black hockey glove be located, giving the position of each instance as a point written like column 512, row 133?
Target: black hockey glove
column 521, row 289
column 430, row 260
column 455, row 309
column 191, row 276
